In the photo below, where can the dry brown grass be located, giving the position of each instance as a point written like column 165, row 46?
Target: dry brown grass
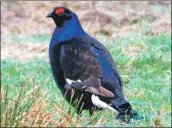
column 112, row 18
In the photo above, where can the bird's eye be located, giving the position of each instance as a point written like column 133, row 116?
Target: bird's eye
column 60, row 14
column 59, row 11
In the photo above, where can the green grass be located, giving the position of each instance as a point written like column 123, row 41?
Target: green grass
column 26, row 38
column 29, row 94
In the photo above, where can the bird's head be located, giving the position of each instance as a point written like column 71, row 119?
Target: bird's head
column 67, row 25
column 60, row 15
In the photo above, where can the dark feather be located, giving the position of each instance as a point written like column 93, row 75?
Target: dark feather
column 80, row 62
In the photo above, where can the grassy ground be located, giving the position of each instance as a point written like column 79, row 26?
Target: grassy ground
column 31, row 98
column 138, row 38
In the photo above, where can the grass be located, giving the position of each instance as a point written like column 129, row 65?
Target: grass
column 26, row 38
column 29, row 96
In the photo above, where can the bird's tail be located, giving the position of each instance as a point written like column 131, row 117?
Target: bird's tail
column 120, row 103
column 124, row 108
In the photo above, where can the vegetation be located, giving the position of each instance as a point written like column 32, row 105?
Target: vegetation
column 30, row 97
column 139, row 41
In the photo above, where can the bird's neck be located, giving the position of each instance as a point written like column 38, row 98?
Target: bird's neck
column 68, row 31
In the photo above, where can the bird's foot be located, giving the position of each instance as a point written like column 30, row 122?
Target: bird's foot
column 127, row 116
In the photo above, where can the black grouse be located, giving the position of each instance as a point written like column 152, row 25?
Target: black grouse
column 84, row 69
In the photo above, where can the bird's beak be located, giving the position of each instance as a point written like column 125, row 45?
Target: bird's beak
column 50, row 14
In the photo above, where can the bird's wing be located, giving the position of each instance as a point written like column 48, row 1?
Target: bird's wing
column 94, row 71
column 85, row 71
column 106, row 55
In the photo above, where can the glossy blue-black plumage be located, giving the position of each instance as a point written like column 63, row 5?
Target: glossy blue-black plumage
column 111, row 79
column 70, row 30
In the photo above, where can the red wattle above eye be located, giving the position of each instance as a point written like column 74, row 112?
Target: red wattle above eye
column 60, row 10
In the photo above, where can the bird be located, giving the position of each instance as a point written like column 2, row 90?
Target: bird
column 84, row 69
